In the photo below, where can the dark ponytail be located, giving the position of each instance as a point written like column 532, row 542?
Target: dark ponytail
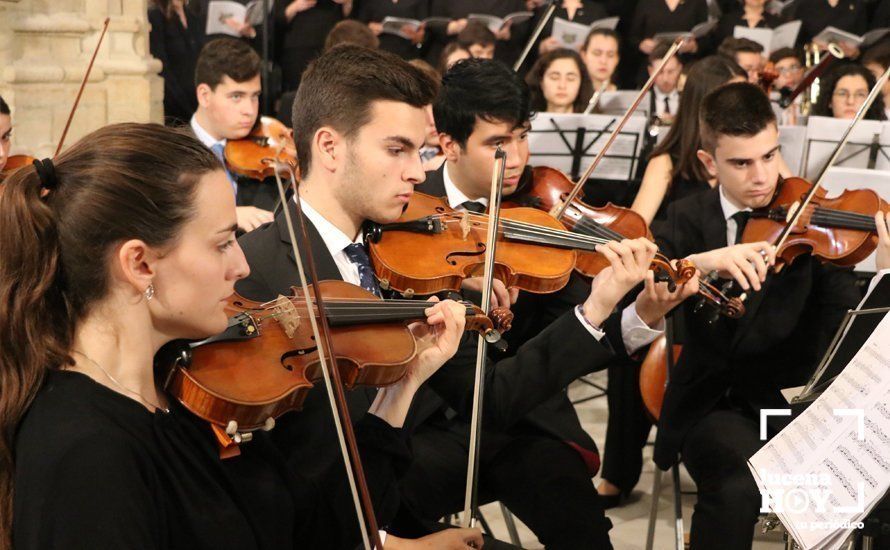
column 126, row 181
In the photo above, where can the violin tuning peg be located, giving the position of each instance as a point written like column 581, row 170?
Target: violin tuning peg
column 232, row 428
column 269, row 424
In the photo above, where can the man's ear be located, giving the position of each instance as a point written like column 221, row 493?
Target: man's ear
column 450, row 147
column 203, row 92
column 709, row 161
column 327, row 148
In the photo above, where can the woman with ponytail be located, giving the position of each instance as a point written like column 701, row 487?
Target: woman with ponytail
column 122, row 244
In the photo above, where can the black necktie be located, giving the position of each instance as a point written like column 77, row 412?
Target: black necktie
column 741, row 219
column 357, row 255
column 473, row 206
column 667, row 105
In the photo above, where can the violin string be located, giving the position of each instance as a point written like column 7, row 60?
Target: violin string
column 537, row 230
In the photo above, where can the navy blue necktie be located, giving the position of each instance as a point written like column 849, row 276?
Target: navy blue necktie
column 357, row 255
column 219, row 150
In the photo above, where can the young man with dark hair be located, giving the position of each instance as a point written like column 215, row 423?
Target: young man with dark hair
column 731, row 370
column 747, row 53
column 482, row 105
column 227, row 82
column 665, row 97
column 360, row 121
column 477, row 39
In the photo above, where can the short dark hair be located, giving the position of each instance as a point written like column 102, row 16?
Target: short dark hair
column 480, row 89
column 229, row 57
column 684, row 139
column 350, row 31
column 785, row 53
column 449, row 49
column 339, row 87
column 536, row 75
column 476, row 33
column 733, row 45
column 839, row 71
column 659, row 51
column 879, row 54
column 737, row 109
column 4, row 107
column 600, row 31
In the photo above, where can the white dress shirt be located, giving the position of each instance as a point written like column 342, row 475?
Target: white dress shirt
column 730, row 210
column 634, row 331
column 210, row 142
column 673, row 100
column 336, row 241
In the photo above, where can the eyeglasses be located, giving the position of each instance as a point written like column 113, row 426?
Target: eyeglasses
column 788, row 70
column 845, row 94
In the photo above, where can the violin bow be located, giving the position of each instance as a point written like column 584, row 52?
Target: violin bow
column 595, row 98
column 358, row 485
column 534, row 37
column 494, row 216
column 801, row 207
column 560, row 211
column 83, row 84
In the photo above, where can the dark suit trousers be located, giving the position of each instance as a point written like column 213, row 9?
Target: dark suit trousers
column 715, row 451
column 627, row 429
column 564, row 511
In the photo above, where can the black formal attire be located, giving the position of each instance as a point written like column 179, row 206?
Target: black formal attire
column 589, row 12
column 177, row 47
column 815, row 15
column 520, row 393
column 375, row 11
column 730, row 369
column 729, row 21
column 653, row 16
column 95, row 469
column 506, row 50
column 302, row 39
column 881, row 17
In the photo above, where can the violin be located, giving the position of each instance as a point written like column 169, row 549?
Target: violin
column 767, row 75
column 266, row 361
column 548, row 191
column 15, row 162
column 269, row 145
column 432, row 248
column 839, row 230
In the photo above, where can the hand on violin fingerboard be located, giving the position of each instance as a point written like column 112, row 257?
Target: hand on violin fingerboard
column 629, row 261
column 747, row 263
column 882, row 257
column 655, row 301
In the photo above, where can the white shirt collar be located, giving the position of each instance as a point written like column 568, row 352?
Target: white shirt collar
column 335, row 239
column 659, row 95
column 203, row 135
column 729, row 209
column 456, row 197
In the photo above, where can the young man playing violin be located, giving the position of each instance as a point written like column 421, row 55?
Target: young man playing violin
column 541, row 460
column 359, row 120
column 227, row 80
column 730, row 370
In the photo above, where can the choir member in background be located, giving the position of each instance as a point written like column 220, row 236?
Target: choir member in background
column 844, row 90
column 601, row 56
column 176, row 38
column 558, row 83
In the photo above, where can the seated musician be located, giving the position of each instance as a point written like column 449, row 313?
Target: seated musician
column 227, row 77
column 359, row 120
column 844, row 90
column 546, row 464
column 131, row 244
column 601, row 55
column 730, row 370
column 558, row 83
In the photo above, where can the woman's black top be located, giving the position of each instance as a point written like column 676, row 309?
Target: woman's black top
column 302, row 39
column 727, row 24
column 815, row 15
column 375, row 11
column 653, row 16
column 95, row 469
column 177, row 47
column 680, row 188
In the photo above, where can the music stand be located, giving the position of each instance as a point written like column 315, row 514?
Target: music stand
column 868, row 147
column 569, row 142
column 619, row 101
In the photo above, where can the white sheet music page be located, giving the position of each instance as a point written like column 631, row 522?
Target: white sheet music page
column 825, row 471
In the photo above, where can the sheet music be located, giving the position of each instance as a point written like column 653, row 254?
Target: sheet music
column 825, row 471
column 548, row 147
column 792, row 139
column 823, row 134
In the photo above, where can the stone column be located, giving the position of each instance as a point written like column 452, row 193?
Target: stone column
column 45, row 47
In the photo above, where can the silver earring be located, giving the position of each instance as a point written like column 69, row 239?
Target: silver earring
column 149, row 292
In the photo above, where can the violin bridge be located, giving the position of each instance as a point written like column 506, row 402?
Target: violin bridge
column 465, row 226
column 287, row 315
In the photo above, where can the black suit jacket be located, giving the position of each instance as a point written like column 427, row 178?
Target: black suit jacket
column 744, row 363
column 546, row 339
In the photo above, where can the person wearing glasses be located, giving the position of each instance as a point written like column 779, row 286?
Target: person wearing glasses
column 789, row 65
column 844, row 92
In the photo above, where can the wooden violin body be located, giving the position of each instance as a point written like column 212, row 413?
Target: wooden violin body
column 653, row 375
column 269, row 145
column 417, row 261
column 839, row 230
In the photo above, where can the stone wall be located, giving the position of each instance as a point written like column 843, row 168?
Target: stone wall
column 45, row 47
